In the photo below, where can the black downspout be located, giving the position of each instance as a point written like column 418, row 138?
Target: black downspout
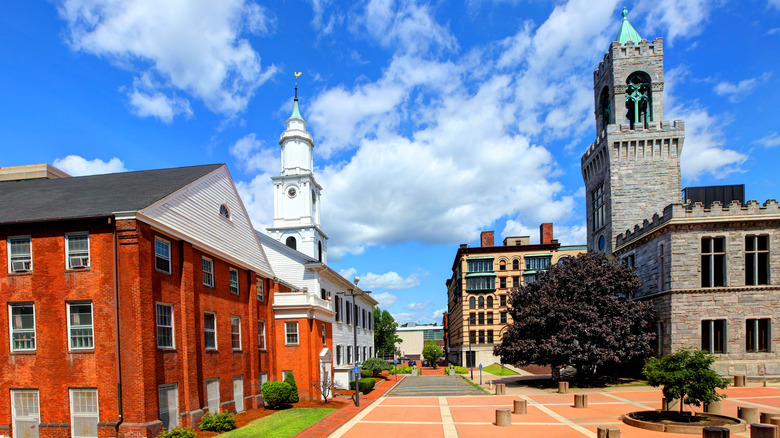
column 118, row 339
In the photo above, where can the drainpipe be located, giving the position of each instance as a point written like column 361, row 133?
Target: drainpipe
column 118, row 339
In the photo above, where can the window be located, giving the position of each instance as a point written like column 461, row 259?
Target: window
column 291, row 333
column 349, row 312
column 515, row 281
column 235, row 332
column 481, row 283
column 472, row 318
column 324, row 335
column 481, row 318
column 481, row 336
column 169, row 405
column 323, row 294
column 537, row 263
column 212, row 395
column 260, row 289
column 503, row 317
column 80, row 326
column 370, row 321
column 529, row 278
column 356, row 314
column 490, row 302
column 233, row 281
column 502, row 265
column 757, row 335
column 629, row 260
column 597, row 202
column 490, row 336
column 480, row 265
column 210, row 330
column 661, row 267
column 515, row 264
column 261, row 335
column 290, row 242
column 349, row 354
column 365, row 350
column 490, row 317
column 502, row 283
column 471, row 358
column 756, row 260
column 164, row 326
column 713, row 261
column 77, row 250
column 339, row 352
column 481, row 301
column 263, row 379
column 502, row 299
column 224, row 212
column 25, row 411
column 472, row 303
column 208, row 272
column 20, row 251
column 370, row 352
column 713, row 335
column 338, row 308
column 162, row 255
column 22, row 327
column 472, row 337
column 84, row 413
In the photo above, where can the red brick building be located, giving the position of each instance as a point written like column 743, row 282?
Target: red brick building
column 133, row 301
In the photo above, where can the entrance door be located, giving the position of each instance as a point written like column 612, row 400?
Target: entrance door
column 25, row 412
column 238, row 392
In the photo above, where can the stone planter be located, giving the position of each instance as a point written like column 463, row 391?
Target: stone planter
column 414, row 371
column 451, row 372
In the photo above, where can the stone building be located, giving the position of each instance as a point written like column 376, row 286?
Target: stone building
column 413, row 338
column 704, row 261
column 478, row 291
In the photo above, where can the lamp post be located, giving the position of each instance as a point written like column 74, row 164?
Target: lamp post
column 468, row 329
column 354, row 317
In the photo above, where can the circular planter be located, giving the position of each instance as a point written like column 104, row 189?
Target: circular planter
column 636, row 419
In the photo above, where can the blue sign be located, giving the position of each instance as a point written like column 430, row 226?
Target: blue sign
column 357, row 370
column 480, row 367
column 395, row 362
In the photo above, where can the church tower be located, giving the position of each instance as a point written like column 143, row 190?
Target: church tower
column 632, row 170
column 296, row 193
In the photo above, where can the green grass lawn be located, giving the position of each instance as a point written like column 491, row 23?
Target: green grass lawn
column 496, row 370
column 283, row 424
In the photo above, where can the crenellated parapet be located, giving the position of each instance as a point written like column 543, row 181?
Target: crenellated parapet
column 628, row 50
column 693, row 213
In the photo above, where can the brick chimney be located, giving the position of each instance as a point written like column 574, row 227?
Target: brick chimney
column 546, row 233
column 487, row 238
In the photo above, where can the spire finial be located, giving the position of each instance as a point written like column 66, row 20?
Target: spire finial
column 297, row 74
column 627, row 32
column 625, row 13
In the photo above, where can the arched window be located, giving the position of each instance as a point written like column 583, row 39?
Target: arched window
column 515, row 264
column 639, row 99
column 605, row 108
column 490, row 302
column 502, row 265
column 481, row 302
column 319, row 251
column 224, row 212
column 472, row 303
column 291, row 242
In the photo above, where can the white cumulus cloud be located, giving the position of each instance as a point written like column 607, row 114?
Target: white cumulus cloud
column 738, row 91
column 416, row 306
column 385, row 299
column 770, row 140
column 389, row 280
column 75, row 165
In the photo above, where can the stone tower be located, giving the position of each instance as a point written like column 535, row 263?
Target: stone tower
column 632, row 170
column 296, row 193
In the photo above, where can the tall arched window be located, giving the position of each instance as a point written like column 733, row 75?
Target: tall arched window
column 639, row 99
column 515, row 264
column 291, row 242
column 472, row 303
column 319, row 251
column 502, row 265
column 481, row 302
column 605, row 108
column 490, row 302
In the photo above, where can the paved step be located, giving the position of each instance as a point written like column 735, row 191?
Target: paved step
column 434, row 386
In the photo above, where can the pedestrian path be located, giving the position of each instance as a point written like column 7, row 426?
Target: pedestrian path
column 434, row 386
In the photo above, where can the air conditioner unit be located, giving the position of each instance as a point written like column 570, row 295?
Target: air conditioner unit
column 20, row 265
column 79, row 262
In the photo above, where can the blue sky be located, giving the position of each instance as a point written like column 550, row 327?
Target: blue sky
column 432, row 120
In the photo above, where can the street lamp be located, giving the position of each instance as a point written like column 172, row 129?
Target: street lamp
column 354, row 316
column 469, row 358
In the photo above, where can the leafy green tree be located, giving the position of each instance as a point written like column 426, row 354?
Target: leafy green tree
column 579, row 313
column 290, row 380
column 432, row 351
column 385, row 338
column 686, row 375
column 376, row 365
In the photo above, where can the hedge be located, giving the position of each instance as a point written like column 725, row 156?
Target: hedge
column 365, row 385
column 178, row 432
column 219, row 422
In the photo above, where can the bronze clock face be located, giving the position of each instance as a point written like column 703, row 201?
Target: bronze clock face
column 291, row 192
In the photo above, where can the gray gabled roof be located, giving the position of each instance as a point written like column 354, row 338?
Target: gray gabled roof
column 92, row 196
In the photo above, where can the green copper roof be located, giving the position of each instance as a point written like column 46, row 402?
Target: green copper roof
column 296, row 113
column 627, row 32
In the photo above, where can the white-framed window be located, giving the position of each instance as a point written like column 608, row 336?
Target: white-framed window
column 80, row 327
column 224, row 212
column 713, row 335
column 212, row 395
column 84, row 413
column 233, row 281
column 758, row 335
column 260, row 289
column 25, row 412
column 324, row 335
column 339, row 353
column 169, row 405
column 261, row 335
column 22, row 321
column 20, row 254
column 165, row 326
column 210, row 330
column 77, row 250
column 291, row 333
column 208, row 272
column 235, row 332
column 162, row 255
column 263, row 379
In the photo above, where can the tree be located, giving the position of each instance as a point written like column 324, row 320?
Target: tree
column 325, row 386
column 384, row 332
column 376, row 365
column 686, row 375
column 432, row 351
column 290, row 380
column 579, row 314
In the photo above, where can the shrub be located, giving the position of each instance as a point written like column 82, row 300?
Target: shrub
column 290, row 380
column 376, row 365
column 276, row 394
column 366, row 373
column 178, row 432
column 401, row 370
column 219, row 422
column 365, row 385
column 461, row 370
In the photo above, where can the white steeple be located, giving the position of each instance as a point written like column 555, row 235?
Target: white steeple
column 296, row 193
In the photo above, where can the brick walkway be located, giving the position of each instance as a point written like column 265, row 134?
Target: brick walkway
column 329, row 424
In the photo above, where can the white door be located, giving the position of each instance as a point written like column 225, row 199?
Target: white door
column 169, row 406
column 238, row 392
column 212, row 395
column 25, row 412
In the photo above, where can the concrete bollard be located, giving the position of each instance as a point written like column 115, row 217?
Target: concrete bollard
column 581, row 401
column 763, row 431
column 521, row 407
column 608, row 432
column 715, row 432
column 775, row 421
column 563, row 387
column 739, row 381
column 766, row 417
column 669, row 405
column 500, row 388
column 712, row 408
column 503, row 417
column 750, row 415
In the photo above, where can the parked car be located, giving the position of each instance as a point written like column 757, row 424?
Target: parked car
column 412, row 362
column 403, row 358
column 425, row 363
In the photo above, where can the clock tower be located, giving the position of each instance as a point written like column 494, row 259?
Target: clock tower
column 296, row 192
